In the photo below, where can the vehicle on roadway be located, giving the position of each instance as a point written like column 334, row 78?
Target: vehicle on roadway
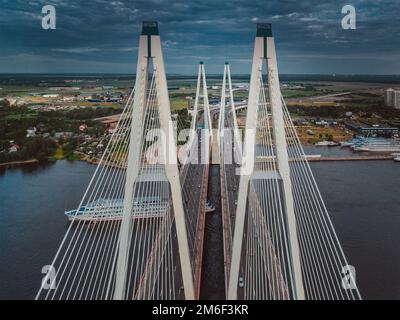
column 209, row 206
column 241, row 282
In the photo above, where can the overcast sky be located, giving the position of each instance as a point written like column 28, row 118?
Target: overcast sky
column 99, row 36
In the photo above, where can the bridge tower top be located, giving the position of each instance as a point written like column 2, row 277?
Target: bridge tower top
column 150, row 28
column 264, row 30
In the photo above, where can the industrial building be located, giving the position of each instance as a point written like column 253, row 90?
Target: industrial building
column 392, row 98
column 366, row 129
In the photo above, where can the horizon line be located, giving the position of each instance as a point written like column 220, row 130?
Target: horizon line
column 193, row 74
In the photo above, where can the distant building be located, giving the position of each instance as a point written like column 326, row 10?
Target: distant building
column 300, row 122
column 173, row 88
column 65, row 135
column 50, row 95
column 114, row 99
column 365, row 129
column 13, row 148
column 241, row 85
column 321, row 123
column 31, row 132
column 84, row 96
column 396, row 99
column 64, row 88
column 392, row 98
column 68, row 98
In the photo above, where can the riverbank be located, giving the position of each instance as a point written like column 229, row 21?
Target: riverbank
column 316, row 154
column 18, row 163
column 57, row 156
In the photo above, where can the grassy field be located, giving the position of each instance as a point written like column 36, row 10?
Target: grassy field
column 290, row 93
column 322, row 133
column 178, row 103
column 94, row 104
column 241, row 94
column 19, row 91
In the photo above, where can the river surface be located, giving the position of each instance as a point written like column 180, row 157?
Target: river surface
column 363, row 198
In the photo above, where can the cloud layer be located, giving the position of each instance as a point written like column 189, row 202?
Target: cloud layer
column 102, row 36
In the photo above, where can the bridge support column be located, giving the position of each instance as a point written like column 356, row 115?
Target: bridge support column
column 150, row 51
column 264, row 49
column 248, row 157
column 283, row 165
column 132, row 168
column 221, row 116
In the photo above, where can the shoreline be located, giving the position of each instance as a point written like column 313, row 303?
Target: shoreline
column 95, row 161
column 18, row 163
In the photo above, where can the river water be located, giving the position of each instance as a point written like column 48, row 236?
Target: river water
column 363, row 198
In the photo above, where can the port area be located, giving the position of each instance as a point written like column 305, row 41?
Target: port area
column 351, row 158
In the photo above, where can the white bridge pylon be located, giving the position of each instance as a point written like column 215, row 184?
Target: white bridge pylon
column 128, row 238
column 201, row 99
column 227, row 81
column 150, row 52
column 264, row 51
column 284, row 245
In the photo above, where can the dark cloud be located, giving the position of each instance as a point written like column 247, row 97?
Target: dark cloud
column 101, row 36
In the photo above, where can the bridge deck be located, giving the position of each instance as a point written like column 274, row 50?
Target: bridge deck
column 215, row 151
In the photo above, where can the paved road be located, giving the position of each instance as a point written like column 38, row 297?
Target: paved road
column 213, row 274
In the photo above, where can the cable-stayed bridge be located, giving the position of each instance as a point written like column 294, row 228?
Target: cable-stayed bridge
column 138, row 231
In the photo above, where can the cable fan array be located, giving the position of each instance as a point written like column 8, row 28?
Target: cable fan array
column 324, row 264
column 86, row 259
column 194, row 171
column 266, row 263
column 138, row 230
